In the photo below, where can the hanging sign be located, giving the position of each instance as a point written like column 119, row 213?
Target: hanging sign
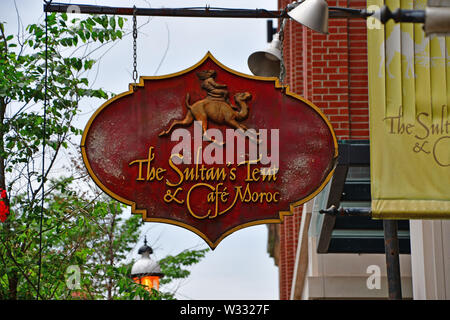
column 210, row 149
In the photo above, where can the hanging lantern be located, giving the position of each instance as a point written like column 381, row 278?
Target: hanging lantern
column 146, row 271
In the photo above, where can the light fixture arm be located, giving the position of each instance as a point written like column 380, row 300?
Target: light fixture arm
column 401, row 15
column 199, row 12
column 341, row 12
column 337, row 12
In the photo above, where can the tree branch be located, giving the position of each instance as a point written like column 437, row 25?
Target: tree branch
column 21, row 271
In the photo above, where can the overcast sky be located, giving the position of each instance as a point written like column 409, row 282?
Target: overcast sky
column 240, row 267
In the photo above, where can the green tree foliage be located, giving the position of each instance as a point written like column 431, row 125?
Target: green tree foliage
column 81, row 227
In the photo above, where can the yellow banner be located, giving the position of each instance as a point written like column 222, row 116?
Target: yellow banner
column 409, row 96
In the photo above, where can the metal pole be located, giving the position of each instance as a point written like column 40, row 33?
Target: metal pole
column 392, row 259
column 402, row 15
column 354, row 211
column 163, row 12
column 207, row 12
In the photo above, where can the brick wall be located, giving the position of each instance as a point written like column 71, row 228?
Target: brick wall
column 358, row 81
column 289, row 230
column 331, row 71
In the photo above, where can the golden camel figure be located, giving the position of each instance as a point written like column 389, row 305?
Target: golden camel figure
column 216, row 110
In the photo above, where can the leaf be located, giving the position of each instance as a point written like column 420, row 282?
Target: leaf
column 85, row 81
column 78, row 64
column 112, row 22
column 81, row 35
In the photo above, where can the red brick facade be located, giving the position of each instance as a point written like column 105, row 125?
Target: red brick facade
column 331, row 71
column 288, row 237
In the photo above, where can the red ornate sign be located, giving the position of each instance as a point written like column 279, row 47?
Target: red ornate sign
column 210, row 149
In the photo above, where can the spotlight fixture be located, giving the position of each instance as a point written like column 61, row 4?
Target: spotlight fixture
column 312, row 14
column 266, row 63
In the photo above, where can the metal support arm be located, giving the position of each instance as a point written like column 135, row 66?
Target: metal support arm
column 334, row 211
column 206, row 12
column 402, row 15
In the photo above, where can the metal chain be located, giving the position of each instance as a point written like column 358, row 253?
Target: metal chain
column 281, row 38
column 135, row 34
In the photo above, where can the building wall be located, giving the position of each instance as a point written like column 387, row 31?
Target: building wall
column 430, row 259
column 339, row 275
column 289, row 231
column 331, row 71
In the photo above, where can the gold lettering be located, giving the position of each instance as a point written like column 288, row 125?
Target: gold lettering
column 250, row 176
column 269, row 174
column 151, row 156
column 232, row 174
column 175, row 168
column 169, row 196
column 139, row 178
column 217, row 194
column 216, row 174
column 188, row 200
column 152, row 172
column 249, row 196
column 275, row 197
column 189, row 174
column 211, row 197
column 159, row 173
column 224, row 195
column 216, row 197
column 256, row 174
column 243, row 197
